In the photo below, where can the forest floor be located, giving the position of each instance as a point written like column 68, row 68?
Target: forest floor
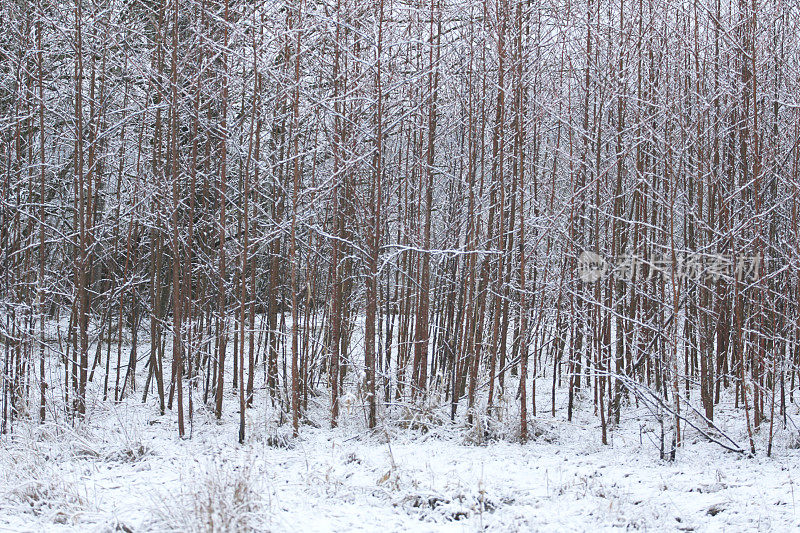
column 123, row 468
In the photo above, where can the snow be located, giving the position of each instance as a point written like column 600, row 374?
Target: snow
column 124, row 468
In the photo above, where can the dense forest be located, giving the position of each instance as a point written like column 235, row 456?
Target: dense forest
column 464, row 207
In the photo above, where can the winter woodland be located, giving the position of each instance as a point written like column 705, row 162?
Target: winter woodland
column 399, row 264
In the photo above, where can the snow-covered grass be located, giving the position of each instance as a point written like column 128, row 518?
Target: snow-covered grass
column 124, row 468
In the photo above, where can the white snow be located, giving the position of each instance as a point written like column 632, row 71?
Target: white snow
column 124, row 468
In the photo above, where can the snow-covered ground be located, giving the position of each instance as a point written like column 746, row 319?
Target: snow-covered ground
column 125, row 469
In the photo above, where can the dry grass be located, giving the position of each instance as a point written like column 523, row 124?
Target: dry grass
column 224, row 499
